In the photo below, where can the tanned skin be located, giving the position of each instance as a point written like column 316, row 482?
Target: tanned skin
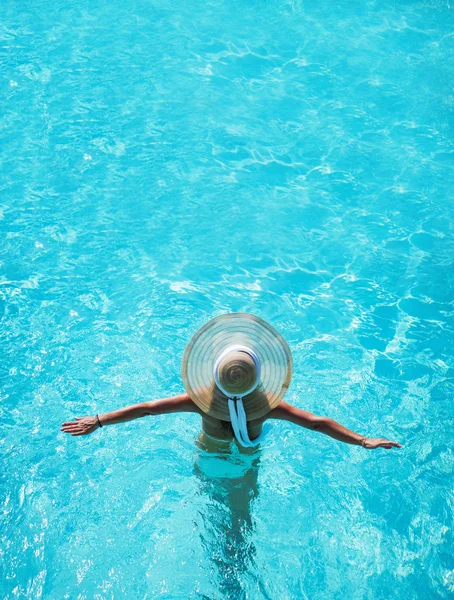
column 221, row 429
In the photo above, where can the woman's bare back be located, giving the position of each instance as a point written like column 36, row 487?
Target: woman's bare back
column 222, row 430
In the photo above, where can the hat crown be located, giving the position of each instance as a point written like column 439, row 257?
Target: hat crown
column 237, row 372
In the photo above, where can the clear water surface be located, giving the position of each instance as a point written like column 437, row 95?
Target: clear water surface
column 163, row 162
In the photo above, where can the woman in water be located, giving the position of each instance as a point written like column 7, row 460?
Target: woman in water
column 236, row 370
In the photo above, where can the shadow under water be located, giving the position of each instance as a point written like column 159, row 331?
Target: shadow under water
column 228, row 481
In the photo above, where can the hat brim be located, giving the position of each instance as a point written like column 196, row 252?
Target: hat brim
column 217, row 335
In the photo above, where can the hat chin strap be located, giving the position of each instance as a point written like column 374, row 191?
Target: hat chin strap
column 236, row 407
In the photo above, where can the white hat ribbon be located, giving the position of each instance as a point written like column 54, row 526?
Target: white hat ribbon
column 236, row 406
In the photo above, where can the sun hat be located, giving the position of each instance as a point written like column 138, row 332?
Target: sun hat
column 237, row 368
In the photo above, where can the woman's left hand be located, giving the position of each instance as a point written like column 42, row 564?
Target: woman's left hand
column 372, row 443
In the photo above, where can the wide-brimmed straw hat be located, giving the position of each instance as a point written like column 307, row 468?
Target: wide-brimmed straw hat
column 237, row 356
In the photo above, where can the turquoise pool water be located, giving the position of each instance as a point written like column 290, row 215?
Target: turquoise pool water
column 165, row 162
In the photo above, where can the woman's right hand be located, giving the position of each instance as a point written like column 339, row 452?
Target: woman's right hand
column 81, row 426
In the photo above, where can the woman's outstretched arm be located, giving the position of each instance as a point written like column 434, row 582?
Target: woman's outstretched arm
column 287, row 412
column 173, row 404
